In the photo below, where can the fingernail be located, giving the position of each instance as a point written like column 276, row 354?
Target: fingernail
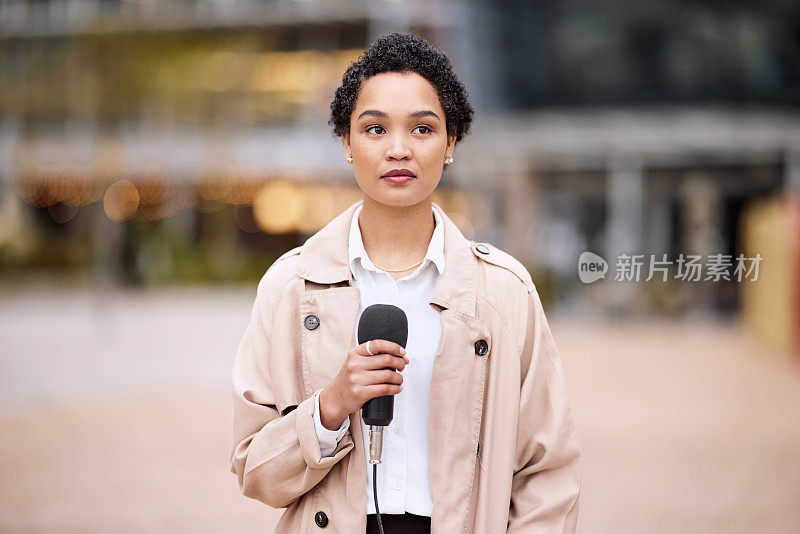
column 402, row 350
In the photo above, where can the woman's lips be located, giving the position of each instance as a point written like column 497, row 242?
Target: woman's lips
column 398, row 179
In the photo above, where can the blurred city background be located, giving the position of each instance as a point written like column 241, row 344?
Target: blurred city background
column 157, row 156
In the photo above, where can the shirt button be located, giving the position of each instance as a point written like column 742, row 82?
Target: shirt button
column 396, row 485
column 397, row 430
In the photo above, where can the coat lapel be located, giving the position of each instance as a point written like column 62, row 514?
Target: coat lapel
column 323, row 257
column 457, row 386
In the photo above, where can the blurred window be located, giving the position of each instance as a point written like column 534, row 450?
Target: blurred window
column 577, row 52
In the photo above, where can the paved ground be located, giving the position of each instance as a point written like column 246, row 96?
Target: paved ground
column 116, row 418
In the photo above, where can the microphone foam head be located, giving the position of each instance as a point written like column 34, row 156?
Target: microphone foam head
column 383, row 321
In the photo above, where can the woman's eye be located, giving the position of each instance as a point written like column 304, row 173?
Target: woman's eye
column 379, row 129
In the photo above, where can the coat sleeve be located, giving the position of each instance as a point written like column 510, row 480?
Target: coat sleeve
column 275, row 456
column 547, row 477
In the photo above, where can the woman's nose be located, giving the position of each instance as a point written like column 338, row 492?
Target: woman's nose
column 398, row 147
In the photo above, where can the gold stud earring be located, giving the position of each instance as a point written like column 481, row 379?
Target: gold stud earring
column 448, row 160
column 349, row 158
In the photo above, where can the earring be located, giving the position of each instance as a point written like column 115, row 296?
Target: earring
column 448, row 160
column 349, row 158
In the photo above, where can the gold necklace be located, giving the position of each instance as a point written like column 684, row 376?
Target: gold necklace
column 398, row 270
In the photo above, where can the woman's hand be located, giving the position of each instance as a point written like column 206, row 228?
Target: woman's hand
column 362, row 377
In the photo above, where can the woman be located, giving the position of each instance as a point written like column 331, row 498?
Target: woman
column 482, row 439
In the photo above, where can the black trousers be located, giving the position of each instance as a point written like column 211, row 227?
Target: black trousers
column 399, row 524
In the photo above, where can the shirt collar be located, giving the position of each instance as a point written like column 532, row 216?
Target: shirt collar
column 323, row 259
column 435, row 253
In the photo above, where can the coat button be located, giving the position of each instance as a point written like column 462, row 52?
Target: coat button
column 481, row 347
column 483, row 249
column 311, row 322
column 321, row 519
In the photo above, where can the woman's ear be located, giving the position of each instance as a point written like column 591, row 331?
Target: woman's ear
column 451, row 145
column 346, row 143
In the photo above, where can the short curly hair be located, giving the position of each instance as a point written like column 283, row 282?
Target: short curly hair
column 404, row 52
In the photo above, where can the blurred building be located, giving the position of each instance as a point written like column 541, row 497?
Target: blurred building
column 200, row 126
column 184, row 140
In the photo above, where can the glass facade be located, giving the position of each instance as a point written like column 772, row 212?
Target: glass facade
column 570, row 52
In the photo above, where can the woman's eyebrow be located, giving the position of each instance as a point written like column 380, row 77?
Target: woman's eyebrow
column 384, row 115
column 423, row 113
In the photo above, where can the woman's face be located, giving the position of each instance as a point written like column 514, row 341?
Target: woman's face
column 398, row 124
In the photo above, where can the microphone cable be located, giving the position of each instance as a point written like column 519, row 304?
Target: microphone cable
column 375, row 494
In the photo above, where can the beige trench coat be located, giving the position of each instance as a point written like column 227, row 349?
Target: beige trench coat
column 503, row 447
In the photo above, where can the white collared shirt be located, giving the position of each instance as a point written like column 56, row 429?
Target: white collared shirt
column 403, row 474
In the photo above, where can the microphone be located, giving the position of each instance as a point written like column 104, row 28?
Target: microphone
column 380, row 321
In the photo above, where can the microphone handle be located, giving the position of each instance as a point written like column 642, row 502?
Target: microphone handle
column 378, row 411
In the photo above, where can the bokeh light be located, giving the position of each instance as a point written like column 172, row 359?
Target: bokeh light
column 121, row 200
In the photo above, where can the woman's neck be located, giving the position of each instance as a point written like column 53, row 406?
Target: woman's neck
column 396, row 236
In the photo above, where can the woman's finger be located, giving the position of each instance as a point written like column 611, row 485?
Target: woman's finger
column 383, row 376
column 380, row 390
column 381, row 361
column 378, row 346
